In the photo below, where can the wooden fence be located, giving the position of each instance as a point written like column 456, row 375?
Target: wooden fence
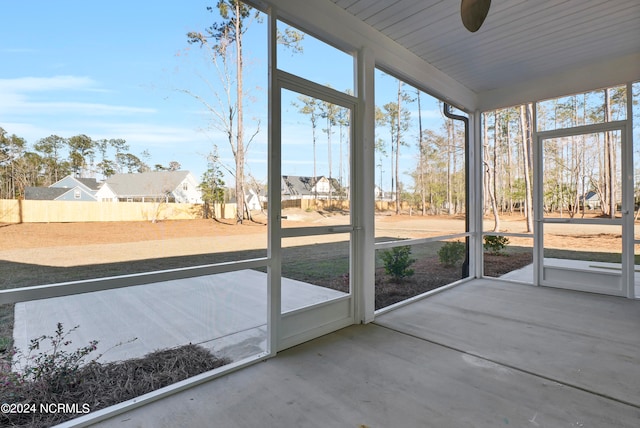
column 29, row 211
column 315, row 204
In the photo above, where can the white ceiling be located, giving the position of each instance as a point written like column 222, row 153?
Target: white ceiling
column 521, row 40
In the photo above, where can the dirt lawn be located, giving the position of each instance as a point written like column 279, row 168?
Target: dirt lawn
column 34, row 254
column 72, row 244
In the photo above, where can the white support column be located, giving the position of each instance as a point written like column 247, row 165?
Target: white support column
column 274, row 252
column 363, row 185
column 476, row 194
column 628, row 203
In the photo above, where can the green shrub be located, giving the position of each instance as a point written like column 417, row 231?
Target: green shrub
column 57, row 366
column 451, row 253
column 495, row 244
column 397, row 262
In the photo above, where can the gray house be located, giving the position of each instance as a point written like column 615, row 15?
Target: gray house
column 69, row 188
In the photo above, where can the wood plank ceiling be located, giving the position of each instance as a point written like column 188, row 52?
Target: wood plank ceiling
column 520, row 39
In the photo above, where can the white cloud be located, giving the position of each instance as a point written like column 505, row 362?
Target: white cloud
column 18, row 97
column 21, row 105
column 39, row 84
column 94, row 108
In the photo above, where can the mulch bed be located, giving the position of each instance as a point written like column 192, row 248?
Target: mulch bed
column 102, row 385
column 496, row 265
column 431, row 274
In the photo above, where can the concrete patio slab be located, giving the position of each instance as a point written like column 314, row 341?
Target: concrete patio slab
column 484, row 354
column 225, row 312
column 589, row 341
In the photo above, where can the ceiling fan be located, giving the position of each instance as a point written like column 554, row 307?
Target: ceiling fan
column 473, row 13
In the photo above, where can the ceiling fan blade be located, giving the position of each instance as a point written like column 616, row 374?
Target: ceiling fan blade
column 473, row 13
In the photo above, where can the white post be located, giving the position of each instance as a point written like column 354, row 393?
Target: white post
column 274, row 252
column 628, row 202
column 363, row 196
column 474, row 211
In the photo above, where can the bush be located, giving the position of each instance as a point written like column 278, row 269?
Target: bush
column 451, row 253
column 397, row 262
column 57, row 367
column 495, row 244
column 58, row 375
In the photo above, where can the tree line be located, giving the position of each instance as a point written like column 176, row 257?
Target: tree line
column 438, row 171
column 52, row 158
column 581, row 174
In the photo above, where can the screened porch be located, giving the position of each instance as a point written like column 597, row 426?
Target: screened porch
column 492, row 282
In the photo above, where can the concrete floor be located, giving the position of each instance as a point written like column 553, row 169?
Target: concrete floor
column 525, row 274
column 483, row 354
column 226, row 313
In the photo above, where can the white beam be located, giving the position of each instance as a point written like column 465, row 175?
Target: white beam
column 604, row 74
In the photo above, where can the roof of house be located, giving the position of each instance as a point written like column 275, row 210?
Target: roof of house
column 153, row 183
column 44, row 193
column 91, row 183
column 300, row 185
column 590, row 195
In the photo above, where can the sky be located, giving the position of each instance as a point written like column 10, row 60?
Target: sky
column 122, row 69
column 107, row 70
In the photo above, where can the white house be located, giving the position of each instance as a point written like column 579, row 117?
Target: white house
column 167, row 186
column 298, row 187
column 254, row 201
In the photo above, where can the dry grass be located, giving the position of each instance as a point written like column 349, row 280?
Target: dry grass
column 103, row 385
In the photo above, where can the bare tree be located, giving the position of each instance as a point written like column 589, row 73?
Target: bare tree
column 329, row 112
column 526, row 113
column 421, row 153
column 490, row 173
column 224, row 43
column 310, row 106
column 397, row 117
column 224, row 40
column 610, row 162
column 343, row 119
